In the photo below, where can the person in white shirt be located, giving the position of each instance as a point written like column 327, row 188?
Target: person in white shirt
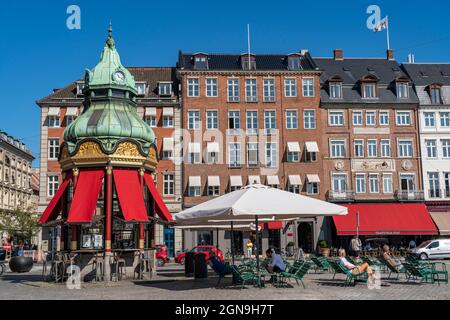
column 364, row 267
column 277, row 264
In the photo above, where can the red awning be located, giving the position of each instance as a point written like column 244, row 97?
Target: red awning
column 386, row 219
column 160, row 206
column 85, row 197
column 54, row 207
column 274, row 225
column 130, row 195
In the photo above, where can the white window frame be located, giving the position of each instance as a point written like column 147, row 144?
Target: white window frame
column 399, row 145
column 431, row 149
column 193, row 87
column 269, row 90
column 194, row 120
column 370, row 151
column 251, row 122
column 169, row 184
column 290, row 87
column 445, row 144
column 53, row 148
column 233, row 90
column 271, row 154
column 382, row 147
column 167, row 121
column 387, row 178
column 374, row 119
column 253, row 147
column 291, row 119
column 212, row 119
column 234, row 147
column 52, row 185
column 309, row 122
column 211, row 87
column 357, row 115
column 251, row 90
column 358, row 143
column 429, row 122
column 308, row 87
column 360, row 183
column 381, row 114
column 377, row 185
column 342, row 146
column 404, row 117
column 334, row 117
column 54, row 121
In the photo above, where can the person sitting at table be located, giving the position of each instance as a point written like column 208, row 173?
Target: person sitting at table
column 276, row 265
column 219, row 266
column 387, row 256
column 364, row 267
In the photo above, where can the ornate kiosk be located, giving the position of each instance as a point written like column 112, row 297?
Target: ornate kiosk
column 107, row 203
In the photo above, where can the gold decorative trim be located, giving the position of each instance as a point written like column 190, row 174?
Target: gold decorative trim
column 127, row 153
column 107, row 244
column 73, row 245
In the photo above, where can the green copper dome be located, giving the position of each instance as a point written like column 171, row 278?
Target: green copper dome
column 109, row 114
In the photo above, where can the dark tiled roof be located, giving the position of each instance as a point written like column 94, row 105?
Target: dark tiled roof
column 426, row 74
column 351, row 71
column 145, row 74
column 233, row 61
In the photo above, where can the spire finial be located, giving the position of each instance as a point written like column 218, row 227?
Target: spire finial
column 110, row 41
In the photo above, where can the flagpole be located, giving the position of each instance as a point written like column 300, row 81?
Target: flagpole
column 387, row 32
column 248, row 42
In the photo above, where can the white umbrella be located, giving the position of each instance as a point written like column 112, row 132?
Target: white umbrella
column 255, row 201
column 261, row 201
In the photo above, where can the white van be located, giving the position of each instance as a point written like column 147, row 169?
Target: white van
column 433, row 249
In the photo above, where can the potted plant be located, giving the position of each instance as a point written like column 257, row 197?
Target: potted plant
column 324, row 248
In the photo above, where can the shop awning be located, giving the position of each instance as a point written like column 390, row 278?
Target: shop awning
column 313, row 178
column 442, row 221
column 53, row 111
column 168, row 112
column 236, row 181
column 195, row 181
column 213, row 181
column 273, row 180
column 254, row 180
column 85, row 197
column 293, row 147
column 150, row 111
column 311, row 146
column 274, row 225
column 168, row 144
column 129, row 192
column 54, row 207
column 295, row 180
column 386, row 219
column 72, row 111
column 160, row 206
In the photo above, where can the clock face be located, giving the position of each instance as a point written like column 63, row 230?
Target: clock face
column 119, row 76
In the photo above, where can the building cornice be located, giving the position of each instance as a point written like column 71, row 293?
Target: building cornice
column 249, row 73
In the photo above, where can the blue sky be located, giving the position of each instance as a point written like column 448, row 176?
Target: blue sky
column 38, row 52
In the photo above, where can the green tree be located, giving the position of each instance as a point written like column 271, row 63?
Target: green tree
column 21, row 223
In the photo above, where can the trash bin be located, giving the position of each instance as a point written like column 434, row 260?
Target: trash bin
column 201, row 268
column 189, row 264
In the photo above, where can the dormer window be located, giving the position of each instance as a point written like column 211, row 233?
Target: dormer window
column 335, row 88
column 248, row 62
column 165, row 88
column 294, row 62
column 200, row 61
column 369, row 87
column 140, row 87
column 80, row 87
column 402, row 90
column 435, row 94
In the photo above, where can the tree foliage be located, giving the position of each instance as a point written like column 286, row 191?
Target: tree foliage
column 21, row 223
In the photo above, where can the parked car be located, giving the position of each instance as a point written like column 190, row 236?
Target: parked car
column 161, row 255
column 433, row 249
column 200, row 249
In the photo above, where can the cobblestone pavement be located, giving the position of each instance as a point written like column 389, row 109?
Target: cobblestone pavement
column 171, row 284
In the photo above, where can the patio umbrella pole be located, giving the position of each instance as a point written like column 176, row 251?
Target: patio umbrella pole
column 217, row 238
column 257, row 243
column 232, row 243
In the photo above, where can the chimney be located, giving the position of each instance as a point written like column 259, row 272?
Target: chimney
column 411, row 58
column 338, row 54
column 390, row 54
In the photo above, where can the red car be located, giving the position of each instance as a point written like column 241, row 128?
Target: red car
column 161, row 255
column 200, row 249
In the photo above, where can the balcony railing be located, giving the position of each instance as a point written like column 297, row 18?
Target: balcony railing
column 402, row 195
column 438, row 193
column 338, row 196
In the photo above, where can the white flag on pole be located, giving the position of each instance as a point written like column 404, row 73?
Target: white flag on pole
column 383, row 24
